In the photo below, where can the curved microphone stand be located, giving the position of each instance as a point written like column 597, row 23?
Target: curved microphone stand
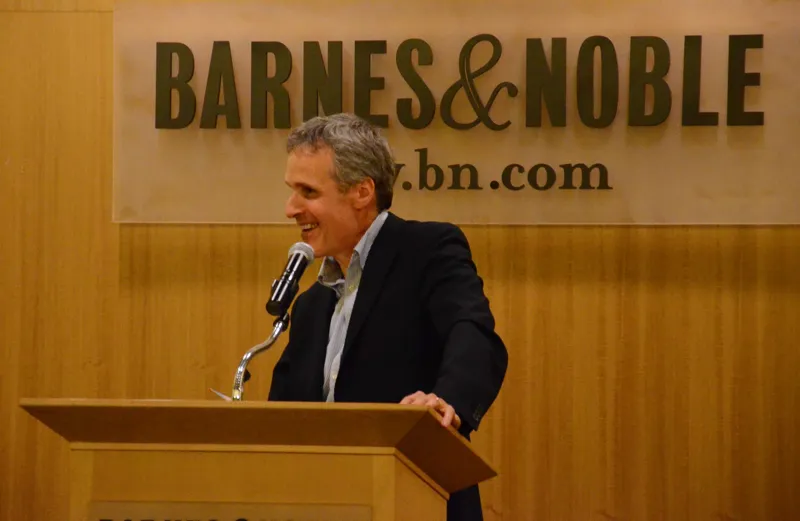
column 280, row 325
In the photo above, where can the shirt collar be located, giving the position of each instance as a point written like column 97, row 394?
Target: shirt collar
column 330, row 274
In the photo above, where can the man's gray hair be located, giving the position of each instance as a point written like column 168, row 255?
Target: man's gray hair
column 359, row 151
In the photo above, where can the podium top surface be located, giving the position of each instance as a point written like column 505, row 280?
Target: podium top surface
column 414, row 431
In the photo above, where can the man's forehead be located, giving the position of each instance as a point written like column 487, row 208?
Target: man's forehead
column 308, row 173
column 309, row 165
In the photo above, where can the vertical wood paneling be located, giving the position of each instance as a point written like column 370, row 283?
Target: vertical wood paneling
column 57, row 6
column 11, row 289
column 654, row 371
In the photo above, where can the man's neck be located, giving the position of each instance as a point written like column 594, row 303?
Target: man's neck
column 343, row 259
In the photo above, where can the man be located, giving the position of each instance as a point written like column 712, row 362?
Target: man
column 398, row 312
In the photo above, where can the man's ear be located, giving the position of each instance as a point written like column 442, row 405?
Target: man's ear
column 364, row 193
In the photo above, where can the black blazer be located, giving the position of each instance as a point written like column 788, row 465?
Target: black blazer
column 420, row 322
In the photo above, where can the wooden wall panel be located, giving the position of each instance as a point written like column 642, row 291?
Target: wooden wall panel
column 54, row 152
column 654, row 371
column 58, row 6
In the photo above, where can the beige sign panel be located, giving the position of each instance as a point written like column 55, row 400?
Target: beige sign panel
column 113, row 511
column 500, row 112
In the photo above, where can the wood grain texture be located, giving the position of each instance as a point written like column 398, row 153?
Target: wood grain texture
column 152, row 484
column 653, row 371
column 56, row 6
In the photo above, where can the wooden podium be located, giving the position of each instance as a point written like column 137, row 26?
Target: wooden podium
column 258, row 461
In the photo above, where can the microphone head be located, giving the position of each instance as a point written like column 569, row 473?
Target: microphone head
column 305, row 249
column 285, row 288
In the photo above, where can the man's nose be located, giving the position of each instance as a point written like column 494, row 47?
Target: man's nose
column 292, row 207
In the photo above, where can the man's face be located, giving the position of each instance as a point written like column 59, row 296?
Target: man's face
column 327, row 216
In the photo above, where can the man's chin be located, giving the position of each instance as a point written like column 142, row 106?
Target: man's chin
column 318, row 251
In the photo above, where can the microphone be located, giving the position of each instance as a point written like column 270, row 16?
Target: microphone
column 285, row 288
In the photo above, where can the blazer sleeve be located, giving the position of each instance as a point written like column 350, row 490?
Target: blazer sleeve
column 279, row 387
column 474, row 359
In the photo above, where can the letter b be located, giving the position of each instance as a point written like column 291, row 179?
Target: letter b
column 166, row 83
column 424, row 169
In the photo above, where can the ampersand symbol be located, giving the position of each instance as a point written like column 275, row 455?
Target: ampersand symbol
column 467, row 82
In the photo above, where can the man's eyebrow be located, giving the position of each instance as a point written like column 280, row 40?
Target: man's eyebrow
column 300, row 185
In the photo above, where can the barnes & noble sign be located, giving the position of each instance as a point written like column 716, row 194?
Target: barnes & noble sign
column 506, row 112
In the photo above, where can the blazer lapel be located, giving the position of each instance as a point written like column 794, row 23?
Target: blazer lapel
column 319, row 342
column 379, row 262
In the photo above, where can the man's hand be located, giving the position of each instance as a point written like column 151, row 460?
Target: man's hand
column 449, row 415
